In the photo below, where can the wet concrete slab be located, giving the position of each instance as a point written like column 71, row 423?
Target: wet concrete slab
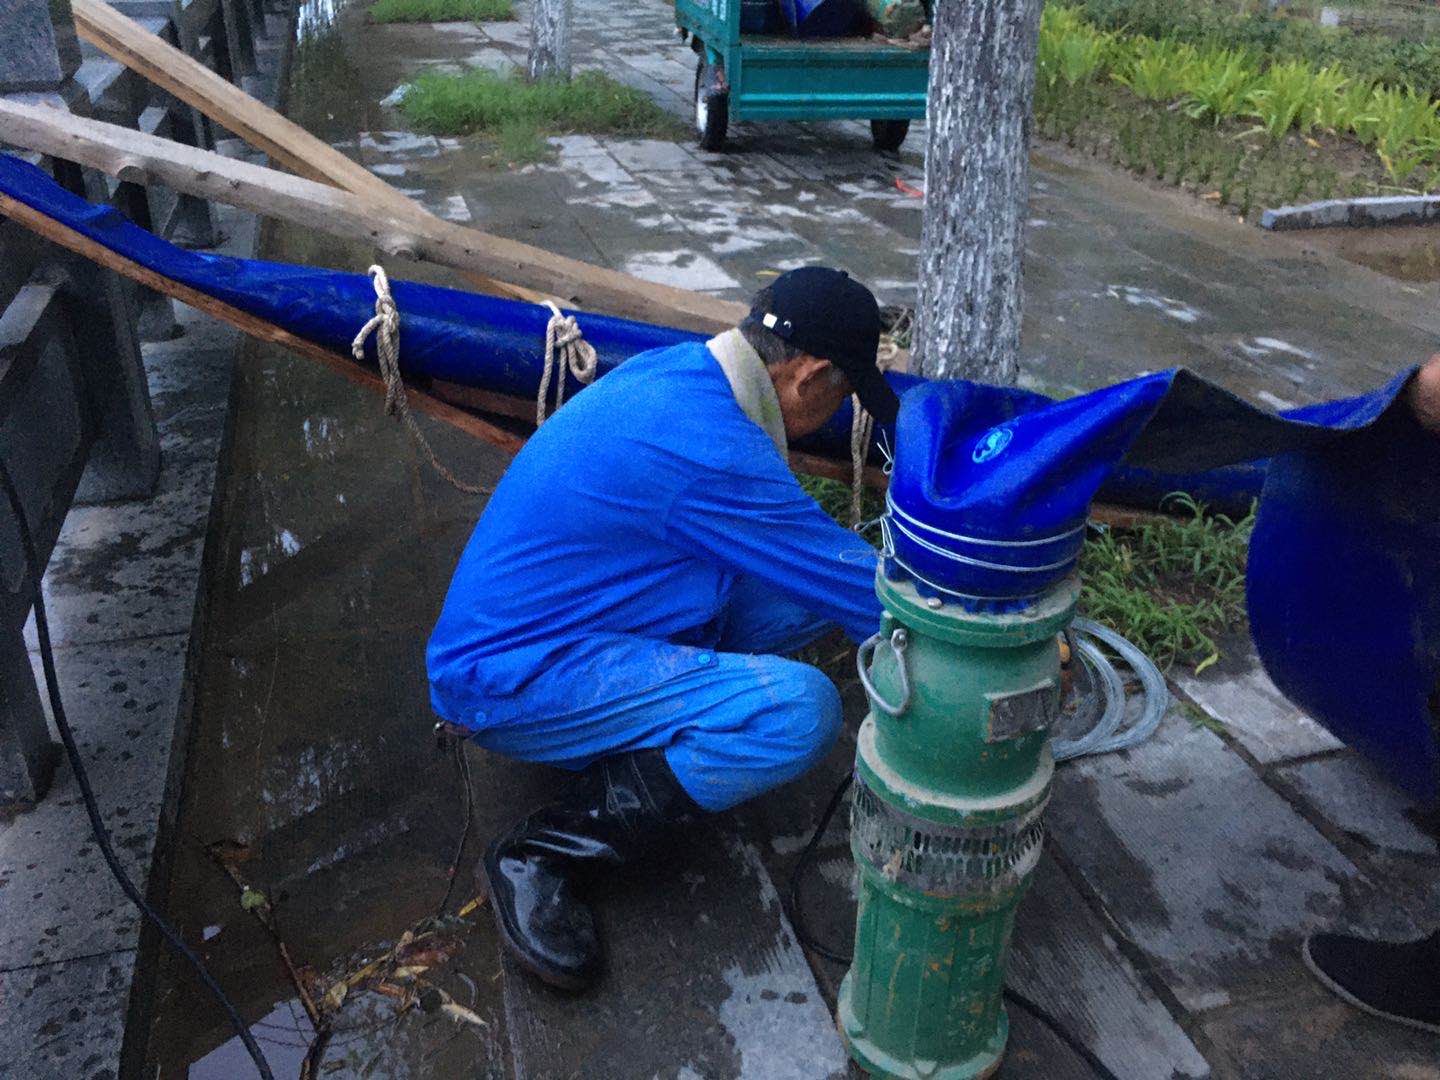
column 1217, row 900
column 700, row 980
column 58, row 900
column 66, row 1019
column 1348, row 792
column 1238, row 695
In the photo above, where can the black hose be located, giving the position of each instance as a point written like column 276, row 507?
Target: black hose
column 82, row 779
column 802, row 934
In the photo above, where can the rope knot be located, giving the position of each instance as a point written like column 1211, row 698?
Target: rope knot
column 563, row 341
column 385, row 325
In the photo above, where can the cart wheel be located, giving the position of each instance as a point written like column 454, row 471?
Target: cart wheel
column 889, row 134
column 712, row 106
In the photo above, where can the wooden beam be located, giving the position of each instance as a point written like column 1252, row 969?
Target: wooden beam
column 283, row 140
column 125, row 40
column 534, row 274
column 136, row 156
column 66, row 237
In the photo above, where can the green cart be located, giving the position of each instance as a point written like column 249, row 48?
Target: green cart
column 745, row 76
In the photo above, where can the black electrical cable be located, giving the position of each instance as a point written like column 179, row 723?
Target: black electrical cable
column 797, row 921
column 82, row 780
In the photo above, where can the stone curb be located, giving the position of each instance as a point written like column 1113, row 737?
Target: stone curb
column 1365, row 212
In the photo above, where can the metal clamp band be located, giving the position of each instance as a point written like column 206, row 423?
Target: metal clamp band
column 898, row 641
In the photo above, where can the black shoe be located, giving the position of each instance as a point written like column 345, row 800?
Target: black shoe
column 609, row 815
column 1399, row 982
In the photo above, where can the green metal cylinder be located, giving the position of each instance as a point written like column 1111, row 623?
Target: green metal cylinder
column 945, row 826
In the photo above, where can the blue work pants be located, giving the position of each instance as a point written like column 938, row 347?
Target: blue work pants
column 734, row 721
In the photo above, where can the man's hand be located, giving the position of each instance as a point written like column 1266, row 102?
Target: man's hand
column 1423, row 395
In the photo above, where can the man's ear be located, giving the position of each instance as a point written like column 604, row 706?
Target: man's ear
column 809, row 369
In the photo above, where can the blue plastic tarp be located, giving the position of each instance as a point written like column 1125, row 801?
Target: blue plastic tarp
column 987, row 508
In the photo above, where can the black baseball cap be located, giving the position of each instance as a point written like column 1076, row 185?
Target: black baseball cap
column 830, row 315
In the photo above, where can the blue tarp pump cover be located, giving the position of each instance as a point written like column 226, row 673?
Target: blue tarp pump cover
column 991, row 486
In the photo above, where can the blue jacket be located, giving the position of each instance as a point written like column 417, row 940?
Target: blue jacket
column 631, row 512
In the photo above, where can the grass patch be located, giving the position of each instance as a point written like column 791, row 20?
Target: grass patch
column 421, row 11
column 1172, row 587
column 519, row 114
column 834, row 498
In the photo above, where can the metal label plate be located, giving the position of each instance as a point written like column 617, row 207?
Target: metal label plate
column 1022, row 712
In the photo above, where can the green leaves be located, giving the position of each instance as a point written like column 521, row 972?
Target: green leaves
column 391, row 11
column 1226, row 77
column 1070, row 50
column 519, row 113
column 1170, row 586
column 250, row 899
column 1406, row 129
column 1219, row 85
column 1281, row 98
column 1157, row 70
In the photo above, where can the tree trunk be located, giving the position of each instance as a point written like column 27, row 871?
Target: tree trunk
column 982, row 81
column 550, row 39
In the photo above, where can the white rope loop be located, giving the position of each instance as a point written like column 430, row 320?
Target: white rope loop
column 862, row 424
column 385, row 325
column 576, row 356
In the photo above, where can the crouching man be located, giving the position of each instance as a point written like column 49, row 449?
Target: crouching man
column 624, row 605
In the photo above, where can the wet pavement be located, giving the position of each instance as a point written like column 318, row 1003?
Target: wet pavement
column 1164, row 926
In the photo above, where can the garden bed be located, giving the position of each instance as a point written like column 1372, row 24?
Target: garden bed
column 1247, row 111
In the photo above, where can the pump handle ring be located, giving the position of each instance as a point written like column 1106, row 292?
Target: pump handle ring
column 897, row 641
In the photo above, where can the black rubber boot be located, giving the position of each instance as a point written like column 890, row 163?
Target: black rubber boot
column 1399, row 982
column 609, row 815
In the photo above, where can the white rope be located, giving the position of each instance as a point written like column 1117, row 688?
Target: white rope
column 576, row 357
column 862, row 426
column 385, row 324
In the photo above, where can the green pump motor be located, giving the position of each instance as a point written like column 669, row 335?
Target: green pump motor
column 952, row 775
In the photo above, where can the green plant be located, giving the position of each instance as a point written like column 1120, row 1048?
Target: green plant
column 1070, row 49
column 1407, row 130
column 1218, row 85
column 1328, row 105
column 834, row 498
column 1171, row 586
column 519, row 142
column 392, row 11
column 1156, row 70
column 1282, row 98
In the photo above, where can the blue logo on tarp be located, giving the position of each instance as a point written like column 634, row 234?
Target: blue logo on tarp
column 991, row 444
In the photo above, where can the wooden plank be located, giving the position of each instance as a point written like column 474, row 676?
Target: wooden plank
column 258, row 328
column 1209, row 871
column 703, row 978
column 131, row 44
column 140, row 158
column 536, row 273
